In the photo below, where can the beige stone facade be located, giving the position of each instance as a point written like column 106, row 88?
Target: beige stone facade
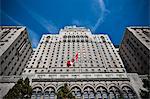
column 98, row 73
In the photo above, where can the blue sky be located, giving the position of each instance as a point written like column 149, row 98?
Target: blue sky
column 101, row 16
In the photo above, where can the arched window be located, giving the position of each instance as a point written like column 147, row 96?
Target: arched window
column 81, row 36
column 86, row 40
column 73, row 40
column 36, row 93
column 86, row 36
column 101, row 93
column 76, row 91
column 64, row 36
column 77, row 36
column 114, row 93
column 49, row 93
column 82, row 40
column 128, row 93
column 64, row 40
column 69, row 41
column 89, row 93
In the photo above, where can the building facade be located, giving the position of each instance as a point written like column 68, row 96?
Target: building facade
column 88, row 63
column 135, row 49
column 15, row 50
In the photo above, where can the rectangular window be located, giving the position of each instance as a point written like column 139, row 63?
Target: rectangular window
column 2, row 62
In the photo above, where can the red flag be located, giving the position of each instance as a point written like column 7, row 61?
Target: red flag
column 68, row 63
column 77, row 56
column 72, row 60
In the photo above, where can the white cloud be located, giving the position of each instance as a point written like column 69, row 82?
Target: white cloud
column 104, row 11
column 10, row 18
column 85, row 23
column 35, row 37
column 102, row 5
column 47, row 24
column 32, row 34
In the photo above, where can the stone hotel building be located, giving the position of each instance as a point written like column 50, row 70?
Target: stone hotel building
column 89, row 63
column 97, row 73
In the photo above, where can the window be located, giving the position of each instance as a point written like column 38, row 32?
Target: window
column 117, row 70
column 17, row 68
column 2, row 61
column 9, row 63
column 6, row 57
column 29, row 71
column 5, row 68
column 2, row 44
column 9, row 73
column 147, row 41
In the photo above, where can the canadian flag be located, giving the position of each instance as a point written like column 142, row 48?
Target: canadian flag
column 69, row 63
column 77, row 56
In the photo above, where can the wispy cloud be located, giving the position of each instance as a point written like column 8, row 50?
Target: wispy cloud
column 34, row 36
column 85, row 23
column 47, row 24
column 104, row 11
column 10, row 18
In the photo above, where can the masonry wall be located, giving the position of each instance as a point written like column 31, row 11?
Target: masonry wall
column 15, row 50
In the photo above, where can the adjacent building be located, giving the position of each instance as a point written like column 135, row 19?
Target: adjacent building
column 88, row 63
column 135, row 49
column 15, row 50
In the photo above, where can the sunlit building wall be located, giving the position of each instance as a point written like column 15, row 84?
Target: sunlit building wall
column 15, row 50
column 95, row 68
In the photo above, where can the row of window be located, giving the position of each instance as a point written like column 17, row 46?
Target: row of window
column 141, row 33
column 73, row 70
column 62, row 56
column 81, row 36
column 16, row 59
column 88, row 93
column 129, row 59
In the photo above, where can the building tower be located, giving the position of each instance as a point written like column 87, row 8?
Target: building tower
column 135, row 49
column 88, row 63
column 15, row 50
